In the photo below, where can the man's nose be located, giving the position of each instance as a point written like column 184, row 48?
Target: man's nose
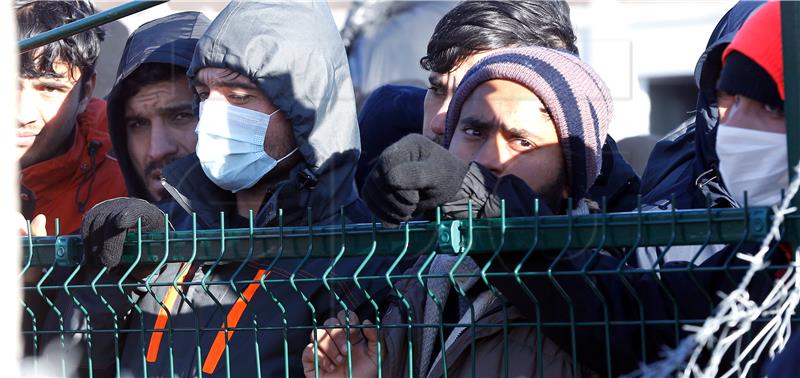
column 27, row 112
column 490, row 156
column 162, row 142
column 438, row 121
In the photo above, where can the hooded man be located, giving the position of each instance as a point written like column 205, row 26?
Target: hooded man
column 277, row 134
column 682, row 171
column 150, row 122
column 150, row 116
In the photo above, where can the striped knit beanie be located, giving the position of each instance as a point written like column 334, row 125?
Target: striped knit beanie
column 576, row 98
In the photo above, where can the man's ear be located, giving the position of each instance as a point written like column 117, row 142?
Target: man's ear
column 86, row 92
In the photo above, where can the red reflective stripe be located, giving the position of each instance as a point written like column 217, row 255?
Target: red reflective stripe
column 161, row 319
column 212, row 359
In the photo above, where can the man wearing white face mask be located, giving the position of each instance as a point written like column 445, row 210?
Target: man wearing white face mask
column 751, row 137
column 277, row 130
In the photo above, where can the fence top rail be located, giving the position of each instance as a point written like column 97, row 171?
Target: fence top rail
column 597, row 231
column 93, row 21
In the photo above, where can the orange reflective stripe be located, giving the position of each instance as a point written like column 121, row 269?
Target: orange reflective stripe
column 234, row 314
column 161, row 319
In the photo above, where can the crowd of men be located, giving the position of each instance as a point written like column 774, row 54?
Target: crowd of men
column 236, row 120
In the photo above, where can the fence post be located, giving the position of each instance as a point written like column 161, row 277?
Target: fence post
column 790, row 24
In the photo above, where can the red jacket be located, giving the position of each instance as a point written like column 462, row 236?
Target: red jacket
column 68, row 185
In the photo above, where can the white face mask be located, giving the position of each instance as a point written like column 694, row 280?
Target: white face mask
column 753, row 161
column 230, row 145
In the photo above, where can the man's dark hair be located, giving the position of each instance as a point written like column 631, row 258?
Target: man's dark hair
column 147, row 74
column 475, row 26
column 80, row 50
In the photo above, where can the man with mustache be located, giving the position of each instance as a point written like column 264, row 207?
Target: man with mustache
column 150, row 115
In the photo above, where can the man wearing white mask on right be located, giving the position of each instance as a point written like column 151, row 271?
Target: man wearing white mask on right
column 751, row 137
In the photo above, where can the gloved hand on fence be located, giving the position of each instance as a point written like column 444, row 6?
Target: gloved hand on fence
column 411, row 177
column 105, row 226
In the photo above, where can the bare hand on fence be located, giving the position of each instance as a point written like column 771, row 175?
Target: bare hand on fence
column 332, row 347
column 37, row 225
column 37, row 228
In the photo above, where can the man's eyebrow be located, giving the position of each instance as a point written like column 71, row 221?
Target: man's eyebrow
column 51, row 81
column 518, row 133
column 175, row 107
column 477, row 123
column 226, row 84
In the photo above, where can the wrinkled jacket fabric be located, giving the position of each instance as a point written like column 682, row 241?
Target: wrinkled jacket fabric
column 512, row 352
column 70, row 184
column 315, row 93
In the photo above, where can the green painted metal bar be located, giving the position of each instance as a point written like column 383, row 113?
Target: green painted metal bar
column 87, row 23
column 687, row 227
column 790, row 29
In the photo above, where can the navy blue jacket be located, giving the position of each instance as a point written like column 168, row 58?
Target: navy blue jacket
column 683, row 165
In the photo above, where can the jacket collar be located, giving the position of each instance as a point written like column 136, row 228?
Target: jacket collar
column 186, row 182
column 89, row 148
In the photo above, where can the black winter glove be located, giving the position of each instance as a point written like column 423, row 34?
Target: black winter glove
column 411, row 177
column 486, row 192
column 105, row 226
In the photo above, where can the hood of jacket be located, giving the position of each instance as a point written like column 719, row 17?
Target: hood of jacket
column 683, row 165
column 169, row 40
column 293, row 52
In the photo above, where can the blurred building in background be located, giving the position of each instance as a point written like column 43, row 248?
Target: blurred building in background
column 645, row 50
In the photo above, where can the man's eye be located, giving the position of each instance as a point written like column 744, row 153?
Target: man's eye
column 522, row 144
column 135, row 125
column 437, row 90
column 472, row 132
column 49, row 89
column 184, row 116
column 239, row 98
column 773, row 111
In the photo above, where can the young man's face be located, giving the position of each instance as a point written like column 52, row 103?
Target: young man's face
column 440, row 92
column 159, row 124
column 47, row 109
column 218, row 84
column 506, row 128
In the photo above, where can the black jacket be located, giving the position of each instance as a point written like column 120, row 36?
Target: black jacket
column 683, row 165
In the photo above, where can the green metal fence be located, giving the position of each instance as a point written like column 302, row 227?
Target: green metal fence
column 311, row 288
column 246, row 302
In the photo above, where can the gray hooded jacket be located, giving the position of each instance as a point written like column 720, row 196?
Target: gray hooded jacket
column 294, row 53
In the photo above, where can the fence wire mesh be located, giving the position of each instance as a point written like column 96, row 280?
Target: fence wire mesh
column 591, row 295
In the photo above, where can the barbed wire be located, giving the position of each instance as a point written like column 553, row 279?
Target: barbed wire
column 735, row 314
